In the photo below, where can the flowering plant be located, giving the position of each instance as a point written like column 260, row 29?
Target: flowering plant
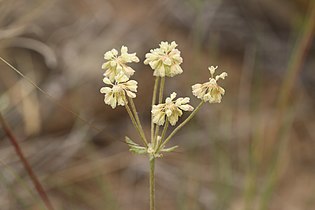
column 120, row 90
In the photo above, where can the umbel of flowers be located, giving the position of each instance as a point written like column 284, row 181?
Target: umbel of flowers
column 120, row 90
column 170, row 110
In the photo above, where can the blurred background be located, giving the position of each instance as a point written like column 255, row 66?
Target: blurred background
column 255, row 150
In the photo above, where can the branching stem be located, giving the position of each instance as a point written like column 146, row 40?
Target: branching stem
column 163, row 133
column 135, row 124
column 134, row 109
column 181, row 125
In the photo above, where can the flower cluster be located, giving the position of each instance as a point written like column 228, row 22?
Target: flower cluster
column 171, row 110
column 117, row 74
column 121, row 87
column 165, row 60
column 210, row 91
column 116, row 64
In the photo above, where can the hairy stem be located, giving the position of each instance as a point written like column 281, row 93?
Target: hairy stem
column 39, row 188
column 152, row 183
column 181, row 125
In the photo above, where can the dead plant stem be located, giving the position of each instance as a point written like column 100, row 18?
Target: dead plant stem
column 39, row 188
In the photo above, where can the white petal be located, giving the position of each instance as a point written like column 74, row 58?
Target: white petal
column 124, row 49
column 113, row 63
column 107, row 81
column 106, row 65
column 173, row 95
column 160, row 71
column 155, row 63
column 114, row 51
column 121, row 101
column 167, row 61
column 108, row 55
column 121, row 77
column 221, row 76
column 105, row 90
column 128, row 70
column 186, row 107
column 113, row 101
column 173, row 44
column 130, row 94
column 159, row 118
column 168, row 100
column 132, row 85
column 173, row 119
column 119, row 68
column 181, row 101
column 168, row 112
column 110, row 100
column 175, row 70
column 212, row 69
column 134, row 58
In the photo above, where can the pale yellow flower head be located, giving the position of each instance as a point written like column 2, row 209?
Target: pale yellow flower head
column 118, row 63
column 165, row 60
column 170, row 110
column 122, row 86
column 210, row 91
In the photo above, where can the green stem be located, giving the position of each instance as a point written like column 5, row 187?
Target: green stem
column 162, row 83
column 181, row 125
column 152, row 183
column 163, row 133
column 134, row 109
column 156, row 83
column 134, row 122
column 161, row 89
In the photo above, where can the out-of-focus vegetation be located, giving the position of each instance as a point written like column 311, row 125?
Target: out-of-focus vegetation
column 256, row 150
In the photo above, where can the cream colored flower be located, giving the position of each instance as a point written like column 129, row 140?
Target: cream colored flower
column 165, row 60
column 117, row 93
column 171, row 110
column 115, row 64
column 210, row 91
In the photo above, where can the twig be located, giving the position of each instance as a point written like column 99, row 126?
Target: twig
column 39, row 188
